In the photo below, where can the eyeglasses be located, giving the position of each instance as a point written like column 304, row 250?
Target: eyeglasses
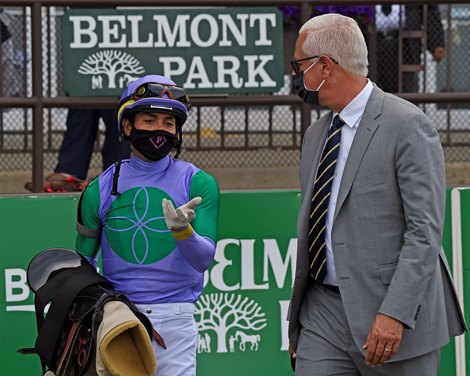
column 153, row 89
column 296, row 63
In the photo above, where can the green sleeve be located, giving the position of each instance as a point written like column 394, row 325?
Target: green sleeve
column 88, row 216
column 207, row 213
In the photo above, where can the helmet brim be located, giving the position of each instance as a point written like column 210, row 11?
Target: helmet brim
column 153, row 104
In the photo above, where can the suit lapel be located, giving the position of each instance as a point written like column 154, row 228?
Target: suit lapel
column 364, row 134
column 311, row 155
column 318, row 136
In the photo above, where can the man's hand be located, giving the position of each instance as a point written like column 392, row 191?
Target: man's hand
column 383, row 339
column 293, row 355
column 178, row 219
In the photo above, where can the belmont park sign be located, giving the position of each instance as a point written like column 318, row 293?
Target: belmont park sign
column 206, row 50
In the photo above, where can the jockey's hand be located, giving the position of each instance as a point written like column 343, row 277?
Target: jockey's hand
column 180, row 218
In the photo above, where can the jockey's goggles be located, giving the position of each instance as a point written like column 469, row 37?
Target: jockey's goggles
column 152, row 89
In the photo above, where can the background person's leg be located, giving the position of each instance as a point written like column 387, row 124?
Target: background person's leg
column 387, row 63
column 79, row 139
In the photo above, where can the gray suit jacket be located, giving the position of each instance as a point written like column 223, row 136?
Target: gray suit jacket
column 387, row 227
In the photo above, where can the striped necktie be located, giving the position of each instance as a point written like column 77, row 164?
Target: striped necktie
column 320, row 200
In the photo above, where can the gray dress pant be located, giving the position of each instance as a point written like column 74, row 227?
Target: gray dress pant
column 326, row 346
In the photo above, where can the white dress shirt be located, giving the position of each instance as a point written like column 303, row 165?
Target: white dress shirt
column 351, row 115
column 390, row 22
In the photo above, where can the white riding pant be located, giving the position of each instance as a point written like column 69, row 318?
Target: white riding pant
column 175, row 323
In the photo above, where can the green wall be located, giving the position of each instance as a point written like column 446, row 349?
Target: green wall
column 254, row 267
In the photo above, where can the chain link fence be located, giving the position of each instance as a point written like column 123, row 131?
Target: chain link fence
column 256, row 136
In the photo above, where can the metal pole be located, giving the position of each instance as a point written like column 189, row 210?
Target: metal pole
column 38, row 126
column 305, row 109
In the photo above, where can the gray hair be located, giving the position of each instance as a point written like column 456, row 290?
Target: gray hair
column 338, row 37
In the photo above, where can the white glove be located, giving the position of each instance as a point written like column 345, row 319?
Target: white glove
column 180, row 218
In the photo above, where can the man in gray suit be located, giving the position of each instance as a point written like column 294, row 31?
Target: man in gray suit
column 372, row 285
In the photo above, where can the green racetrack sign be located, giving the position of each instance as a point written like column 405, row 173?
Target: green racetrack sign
column 206, row 50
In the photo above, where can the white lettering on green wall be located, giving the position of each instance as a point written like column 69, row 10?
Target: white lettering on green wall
column 234, row 255
column 112, row 31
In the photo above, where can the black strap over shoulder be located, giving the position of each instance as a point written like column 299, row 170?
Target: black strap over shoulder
column 61, row 290
column 87, row 232
column 81, row 229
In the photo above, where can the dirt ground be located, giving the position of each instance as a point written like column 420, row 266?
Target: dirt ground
column 228, row 179
column 457, row 174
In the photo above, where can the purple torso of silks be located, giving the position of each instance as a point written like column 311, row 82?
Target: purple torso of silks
column 140, row 256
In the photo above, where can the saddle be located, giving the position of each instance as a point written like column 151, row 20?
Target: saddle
column 67, row 335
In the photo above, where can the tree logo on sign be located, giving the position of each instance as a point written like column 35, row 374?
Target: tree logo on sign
column 233, row 314
column 120, row 69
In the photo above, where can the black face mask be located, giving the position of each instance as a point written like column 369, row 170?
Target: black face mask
column 153, row 145
column 298, row 85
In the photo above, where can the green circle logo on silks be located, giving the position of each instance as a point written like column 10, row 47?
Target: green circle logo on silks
column 135, row 226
